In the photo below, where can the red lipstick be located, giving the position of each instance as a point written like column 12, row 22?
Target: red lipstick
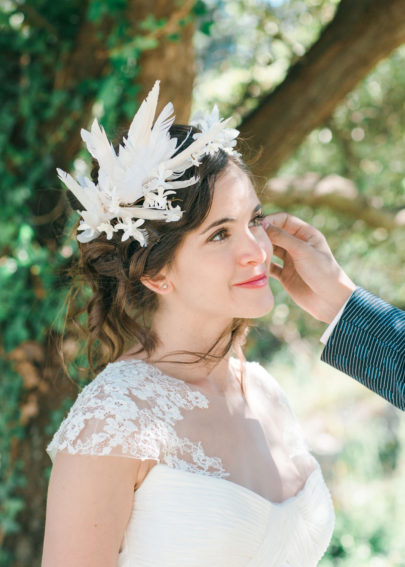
column 260, row 280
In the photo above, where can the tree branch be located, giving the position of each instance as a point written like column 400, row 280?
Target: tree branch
column 334, row 192
column 361, row 34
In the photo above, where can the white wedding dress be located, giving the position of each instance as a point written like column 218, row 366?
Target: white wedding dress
column 201, row 505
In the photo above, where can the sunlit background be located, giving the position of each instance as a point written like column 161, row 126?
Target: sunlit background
column 358, row 438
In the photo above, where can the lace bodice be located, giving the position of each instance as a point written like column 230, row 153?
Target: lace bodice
column 132, row 409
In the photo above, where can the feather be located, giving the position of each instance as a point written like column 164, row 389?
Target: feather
column 145, row 167
column 141, row 125
column 176, row 162
column 183, row 184
column 163, row 122
column 85, row 197
column 143, row 213
column 88, row 235
column 100, row 148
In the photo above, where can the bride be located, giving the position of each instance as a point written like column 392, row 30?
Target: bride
column 177, row 453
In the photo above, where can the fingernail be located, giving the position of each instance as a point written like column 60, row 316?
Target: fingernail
column 265, row 224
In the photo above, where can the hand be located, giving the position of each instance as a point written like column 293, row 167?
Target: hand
column 310, row 273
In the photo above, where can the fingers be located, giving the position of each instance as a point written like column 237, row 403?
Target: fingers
column 276, row 271
column 292, row 225
column 297, row 228
column 287, row 222
column 284, row 243
column 279, row 252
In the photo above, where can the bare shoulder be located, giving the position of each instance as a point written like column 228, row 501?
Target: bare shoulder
column 90, row 498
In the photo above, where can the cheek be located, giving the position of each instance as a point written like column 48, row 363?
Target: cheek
column 198, row 270
column 210, row 275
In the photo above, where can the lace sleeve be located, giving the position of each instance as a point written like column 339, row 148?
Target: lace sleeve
column 126, row 411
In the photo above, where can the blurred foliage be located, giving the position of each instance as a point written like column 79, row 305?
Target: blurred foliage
column 36, row 41
column 244, row 49
column 250, row 47
column 364, row 142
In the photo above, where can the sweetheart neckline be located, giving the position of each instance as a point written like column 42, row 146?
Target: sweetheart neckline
column 235, row 486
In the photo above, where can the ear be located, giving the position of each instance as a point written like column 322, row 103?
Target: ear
column 158, row 284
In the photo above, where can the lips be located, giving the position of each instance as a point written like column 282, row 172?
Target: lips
column 256, row 281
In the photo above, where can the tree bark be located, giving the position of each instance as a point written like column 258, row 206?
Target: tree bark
column 45, row 388
column 173, row 60
column 361, row 34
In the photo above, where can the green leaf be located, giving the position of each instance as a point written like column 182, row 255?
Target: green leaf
column 205, row 27
column 151, row 24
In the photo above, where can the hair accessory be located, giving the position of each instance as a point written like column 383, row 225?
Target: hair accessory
column 225, row 139
column 144, row 169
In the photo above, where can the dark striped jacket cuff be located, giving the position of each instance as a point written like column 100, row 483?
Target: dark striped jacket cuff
column 368, row 343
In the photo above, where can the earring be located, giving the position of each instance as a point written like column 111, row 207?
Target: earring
column 164, row 286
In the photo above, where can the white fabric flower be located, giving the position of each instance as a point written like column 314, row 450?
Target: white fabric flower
column 131, row 230
column 108, row 228
column 174, row 214
column 226, row 137
column 157, row 199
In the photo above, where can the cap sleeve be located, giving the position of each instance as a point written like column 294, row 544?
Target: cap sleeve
column 128, row 411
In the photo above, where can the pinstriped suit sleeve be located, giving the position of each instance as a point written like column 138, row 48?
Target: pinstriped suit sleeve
column 368, row 343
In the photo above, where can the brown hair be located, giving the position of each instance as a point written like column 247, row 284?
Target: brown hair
column 121, row 308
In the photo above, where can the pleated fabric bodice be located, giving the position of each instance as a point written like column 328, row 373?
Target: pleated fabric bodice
column 186, row 519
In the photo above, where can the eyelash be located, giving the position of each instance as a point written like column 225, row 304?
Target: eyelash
column 224, row 232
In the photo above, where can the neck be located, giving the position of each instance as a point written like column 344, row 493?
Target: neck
column 181, row 335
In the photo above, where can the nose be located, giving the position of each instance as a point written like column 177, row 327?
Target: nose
column 252, row 249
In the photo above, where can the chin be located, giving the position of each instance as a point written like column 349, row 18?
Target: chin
column 256, row 311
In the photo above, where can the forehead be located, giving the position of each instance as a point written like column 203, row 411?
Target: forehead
column 234, row 195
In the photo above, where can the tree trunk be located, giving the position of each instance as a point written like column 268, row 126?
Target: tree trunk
column 173, row 60
column 361, row 34
column 45, row 388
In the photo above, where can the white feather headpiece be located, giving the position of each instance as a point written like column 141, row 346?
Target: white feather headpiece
column 144, row 170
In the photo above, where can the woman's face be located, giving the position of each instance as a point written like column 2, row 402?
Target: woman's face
column 221, row 269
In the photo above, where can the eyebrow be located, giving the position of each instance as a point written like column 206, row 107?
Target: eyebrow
column 227, row 219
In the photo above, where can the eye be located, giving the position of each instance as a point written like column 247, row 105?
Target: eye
column 220, row 235
column 257, row 220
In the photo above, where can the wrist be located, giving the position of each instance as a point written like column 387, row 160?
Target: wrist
column 342, row 293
